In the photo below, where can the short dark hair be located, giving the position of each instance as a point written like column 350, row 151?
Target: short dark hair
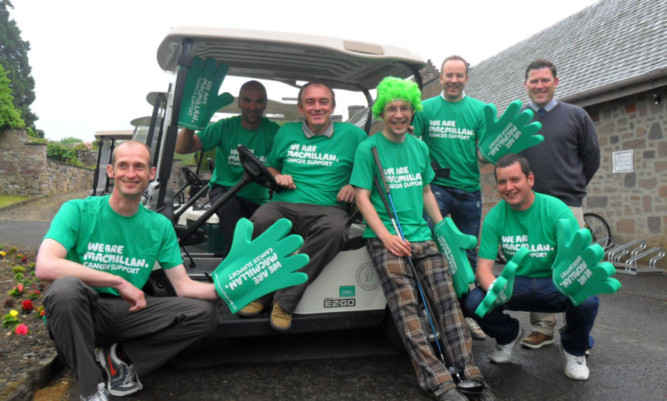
column 510, row 159
column 252, row 84
column 316, row 83
column 539, row 64
column 454, row 57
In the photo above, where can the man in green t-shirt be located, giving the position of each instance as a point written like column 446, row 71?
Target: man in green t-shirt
column 98, row 253
column 311, row 161
column 452, row 124
column 524, row 218
column 251, row 130
column 407, row 169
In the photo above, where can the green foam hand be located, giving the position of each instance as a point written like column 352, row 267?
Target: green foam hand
column 577, row 270
column 254, row 268
column 510, row 134
column 500, row 291
column 452, row 243
column 200, row 97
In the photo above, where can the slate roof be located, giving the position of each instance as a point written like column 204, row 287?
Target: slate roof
column 609, row 47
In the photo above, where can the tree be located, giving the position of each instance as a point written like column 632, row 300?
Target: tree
column 9, row 116
column 14, row 58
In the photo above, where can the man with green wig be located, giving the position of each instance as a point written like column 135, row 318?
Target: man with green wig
column 404, row 160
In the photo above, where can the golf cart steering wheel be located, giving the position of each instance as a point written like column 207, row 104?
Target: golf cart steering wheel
column 256, row 170
column 192, row 178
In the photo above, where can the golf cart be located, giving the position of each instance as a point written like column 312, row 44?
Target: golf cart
column 347, row 294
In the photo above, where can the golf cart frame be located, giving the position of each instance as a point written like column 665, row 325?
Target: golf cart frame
column 347, row 293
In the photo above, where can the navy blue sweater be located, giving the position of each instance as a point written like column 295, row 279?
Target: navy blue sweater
column 569, row 156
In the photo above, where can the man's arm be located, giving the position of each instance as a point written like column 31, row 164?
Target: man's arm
column 187, row 142
column 187, row 287
column 484, row 273
column 283, row 180
column 589, row 149
column 393, row 243
column 346, row 194
column 51, row 265
column 431, row 205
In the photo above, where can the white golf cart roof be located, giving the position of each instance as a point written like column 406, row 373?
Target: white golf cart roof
column 289, row 57
column 115, row 134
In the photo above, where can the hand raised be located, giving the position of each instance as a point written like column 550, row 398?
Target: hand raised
column 510, row 134
column 200, row 97
column 577, row 270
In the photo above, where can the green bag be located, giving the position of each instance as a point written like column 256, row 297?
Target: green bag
column 500, row 291
column 577, row 270
column 510, row 134
column 254, row 268
column 452, row 243
column 200, row 97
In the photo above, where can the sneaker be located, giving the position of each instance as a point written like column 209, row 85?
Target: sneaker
column 504, row 353
column 101, row 395
column 575, row 366
column 537, row 340
column 280, row 319
column 475, row 331
column 252, row 309
column 122, row 380
column 452, row 395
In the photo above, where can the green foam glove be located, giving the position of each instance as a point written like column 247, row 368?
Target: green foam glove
column 577, row 270
column 200, row 97
column 452, row 243
column 255, row 268
column 500, row 291
column 510, row 134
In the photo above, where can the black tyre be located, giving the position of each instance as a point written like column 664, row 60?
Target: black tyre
column 599, row 230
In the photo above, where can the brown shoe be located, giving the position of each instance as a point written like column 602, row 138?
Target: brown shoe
column 537, row 340
column 280, row 319
column 252, row 309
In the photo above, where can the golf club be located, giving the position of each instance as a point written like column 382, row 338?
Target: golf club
column 465, row 386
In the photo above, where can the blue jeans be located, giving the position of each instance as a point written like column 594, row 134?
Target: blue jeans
column 466, row 210
column 536, row 295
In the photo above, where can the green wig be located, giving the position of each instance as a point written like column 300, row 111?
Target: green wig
column 391, row 89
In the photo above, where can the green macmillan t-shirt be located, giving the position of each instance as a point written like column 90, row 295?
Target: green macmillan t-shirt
column 319, row 166
column 225, row 135
column 407, row 169
column 534, row 228
column 451, row 131
column 94, row 235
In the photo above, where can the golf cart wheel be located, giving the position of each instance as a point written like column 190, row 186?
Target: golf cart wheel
column 257, row 171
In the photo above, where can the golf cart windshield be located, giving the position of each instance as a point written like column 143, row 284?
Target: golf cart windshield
column 284, row 57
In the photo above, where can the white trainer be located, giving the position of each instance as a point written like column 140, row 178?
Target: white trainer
column 575, row 366
column 504, row 353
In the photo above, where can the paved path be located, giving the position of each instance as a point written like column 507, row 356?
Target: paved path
column 25, row 225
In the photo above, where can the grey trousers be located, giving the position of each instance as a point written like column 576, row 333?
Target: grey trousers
column 79, row 319
column 324, row 230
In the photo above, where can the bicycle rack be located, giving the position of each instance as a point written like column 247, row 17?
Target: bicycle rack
column 616, row 254
column 631, row 264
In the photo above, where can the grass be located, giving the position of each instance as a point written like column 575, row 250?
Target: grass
column 9, row 199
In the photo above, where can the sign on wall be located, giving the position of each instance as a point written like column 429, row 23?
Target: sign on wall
column 623, row 162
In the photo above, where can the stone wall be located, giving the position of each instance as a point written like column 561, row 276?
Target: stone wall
column 24, row 169
column 633, row 203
